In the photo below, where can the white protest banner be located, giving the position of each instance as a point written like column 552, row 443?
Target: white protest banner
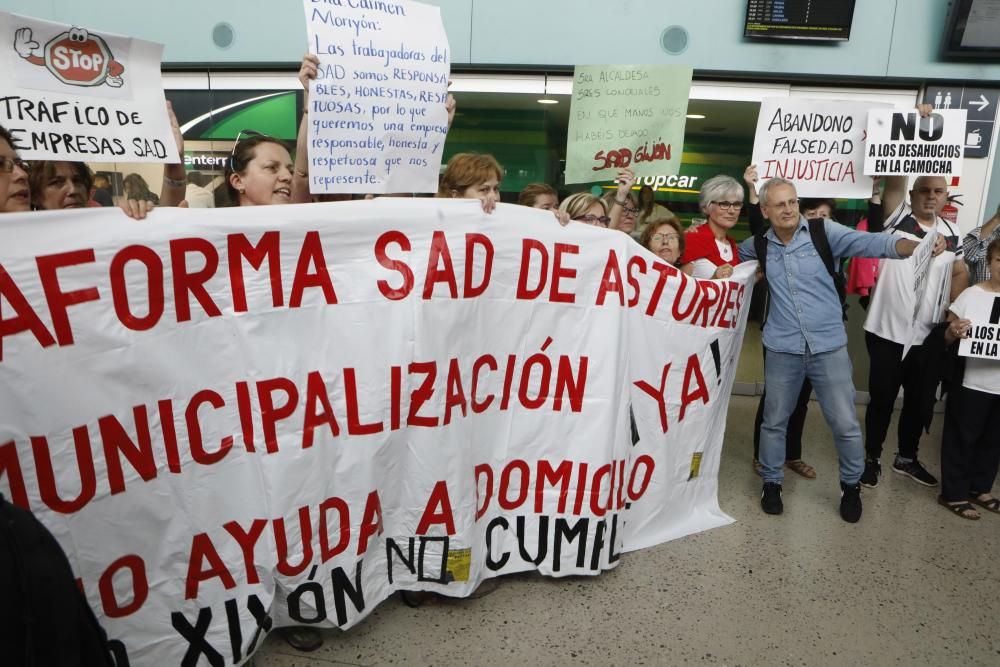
column 377, row 117
column 234, row 415
column 816, row 144
column 70, row 93
column 921, row 261
column 626, row 116
column 901, row 143
column 983, row 340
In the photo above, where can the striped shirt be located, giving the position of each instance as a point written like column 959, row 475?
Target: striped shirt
column 974, row 248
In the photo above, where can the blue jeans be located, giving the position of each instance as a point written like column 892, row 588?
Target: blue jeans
column 833, row 381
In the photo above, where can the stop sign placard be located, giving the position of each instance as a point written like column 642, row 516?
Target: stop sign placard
column 76, row 62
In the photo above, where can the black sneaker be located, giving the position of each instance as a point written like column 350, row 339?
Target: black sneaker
column 914, row 471
column 873, row 470
column 850, row 502
column 770, row 498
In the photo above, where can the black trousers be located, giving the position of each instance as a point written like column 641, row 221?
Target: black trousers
column 970, row 444
column 793, row 436
column 887, row 372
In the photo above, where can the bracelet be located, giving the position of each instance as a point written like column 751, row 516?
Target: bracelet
column 621, row 202
column 174, row 182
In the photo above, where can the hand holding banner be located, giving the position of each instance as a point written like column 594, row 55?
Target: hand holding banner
column 237, row 419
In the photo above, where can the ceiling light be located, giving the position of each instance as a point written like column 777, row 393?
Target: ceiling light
column 548, row 101
column 696, row 116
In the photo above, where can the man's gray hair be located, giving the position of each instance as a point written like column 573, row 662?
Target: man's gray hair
column 765, row 189
column 718, row 188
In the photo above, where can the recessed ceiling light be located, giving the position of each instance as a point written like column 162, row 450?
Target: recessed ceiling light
column 548, row 101
column 696, row 116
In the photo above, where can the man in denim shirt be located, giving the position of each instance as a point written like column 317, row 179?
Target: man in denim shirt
column 805, row 337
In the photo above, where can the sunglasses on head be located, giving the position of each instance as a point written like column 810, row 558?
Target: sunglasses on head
column 241, row 136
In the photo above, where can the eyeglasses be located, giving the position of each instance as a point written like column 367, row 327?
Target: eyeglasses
column 630, row 210
column 7, row 164
column 729, row 205
column 782, row 205
column 663, row 238
column 599, row 220
column 243, row 134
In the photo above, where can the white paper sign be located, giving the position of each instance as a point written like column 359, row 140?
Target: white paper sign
column 70, row 93
column 290, row 412
column 816, row 144
column 921, row 260
column 983, row 340
column 377, row 118
column 901, row 143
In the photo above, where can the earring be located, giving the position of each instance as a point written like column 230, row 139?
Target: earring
column 242, row 191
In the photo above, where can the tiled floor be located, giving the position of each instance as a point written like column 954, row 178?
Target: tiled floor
column 909, row 585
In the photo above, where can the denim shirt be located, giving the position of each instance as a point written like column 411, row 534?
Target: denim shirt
column 805, row 309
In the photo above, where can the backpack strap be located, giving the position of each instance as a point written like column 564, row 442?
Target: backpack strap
column 817, row 232
column 760, row 248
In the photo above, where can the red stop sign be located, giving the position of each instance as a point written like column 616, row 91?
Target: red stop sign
column 78, row 63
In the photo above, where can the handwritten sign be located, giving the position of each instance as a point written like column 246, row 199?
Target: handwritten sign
column 73, row 94
column 816, row 144
column 901, row 143
column 377, row 118
column 626, row 116
column 983, row 308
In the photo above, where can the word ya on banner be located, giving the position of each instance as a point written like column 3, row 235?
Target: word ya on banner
column 75, row 94
column 376, row 111
column 901, row 143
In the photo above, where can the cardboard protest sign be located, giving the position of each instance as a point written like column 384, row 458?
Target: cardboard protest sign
column 236, row 417
column 901, row 143
column 626, row 116
column 377, row 117
column 983, row 339
column 816, row 144
column 70, row 93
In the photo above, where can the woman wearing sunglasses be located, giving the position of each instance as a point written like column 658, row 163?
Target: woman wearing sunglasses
column 710, row 252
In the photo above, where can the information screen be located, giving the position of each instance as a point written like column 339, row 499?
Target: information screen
column 799, row 19
column 973, row 29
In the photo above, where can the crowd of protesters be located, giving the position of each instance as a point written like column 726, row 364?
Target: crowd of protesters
column 804, row 336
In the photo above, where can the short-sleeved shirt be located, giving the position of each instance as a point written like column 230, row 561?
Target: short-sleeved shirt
column 891, row 310
column 980, row 374
column 707, row 253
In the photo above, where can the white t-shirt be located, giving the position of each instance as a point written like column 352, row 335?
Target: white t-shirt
column 892, row 304
column 980, row 374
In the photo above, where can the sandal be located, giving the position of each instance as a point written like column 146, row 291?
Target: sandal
column 990, row 505
column 801, row 467
column 962, row 509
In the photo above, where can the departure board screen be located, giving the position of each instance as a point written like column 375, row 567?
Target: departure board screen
column 799, row 19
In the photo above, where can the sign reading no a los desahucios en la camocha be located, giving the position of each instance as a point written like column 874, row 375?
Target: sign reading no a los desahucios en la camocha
column 70, row 93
